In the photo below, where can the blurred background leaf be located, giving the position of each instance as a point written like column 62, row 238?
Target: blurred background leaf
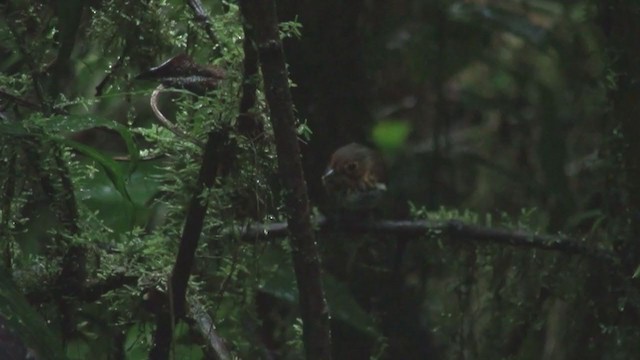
column 25, row 321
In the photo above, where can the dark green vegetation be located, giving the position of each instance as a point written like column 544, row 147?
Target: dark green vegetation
column 513, row 116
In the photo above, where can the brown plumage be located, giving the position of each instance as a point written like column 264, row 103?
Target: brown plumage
column 354, row 178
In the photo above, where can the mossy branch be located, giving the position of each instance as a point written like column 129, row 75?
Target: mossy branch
column 452, row 229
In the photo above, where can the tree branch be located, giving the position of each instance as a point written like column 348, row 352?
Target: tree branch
column 260, row 17
column 181, row 272
column 454, row 229
column 201, row 17
column 204, row 325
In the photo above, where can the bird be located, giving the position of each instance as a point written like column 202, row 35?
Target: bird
column 355, row 184
column 354, row 179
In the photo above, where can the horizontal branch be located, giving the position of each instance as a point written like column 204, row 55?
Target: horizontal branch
column 454, row 229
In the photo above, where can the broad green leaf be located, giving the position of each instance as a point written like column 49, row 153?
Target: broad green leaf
column 57, row 127
column 65, row 124
column 98, row 194
column 138, row 341
column 110, row 166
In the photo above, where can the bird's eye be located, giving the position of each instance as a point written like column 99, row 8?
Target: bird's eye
column 351, row 167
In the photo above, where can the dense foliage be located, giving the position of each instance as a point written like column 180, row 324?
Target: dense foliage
column 510, row 115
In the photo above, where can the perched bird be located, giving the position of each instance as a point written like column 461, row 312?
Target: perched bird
column 355, row 179
column 355, row 185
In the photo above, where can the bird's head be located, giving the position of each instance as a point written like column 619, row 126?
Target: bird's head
column 354, row 176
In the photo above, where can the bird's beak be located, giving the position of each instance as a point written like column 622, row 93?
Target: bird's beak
column 327, row 174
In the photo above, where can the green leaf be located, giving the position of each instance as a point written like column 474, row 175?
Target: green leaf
column 26, row 322
column 138, row 341
column 57, row 127
column 98, row 195
column 110, row 166
column 390, row 134
column 65, row 124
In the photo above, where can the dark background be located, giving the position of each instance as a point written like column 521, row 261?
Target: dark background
column 507, row 114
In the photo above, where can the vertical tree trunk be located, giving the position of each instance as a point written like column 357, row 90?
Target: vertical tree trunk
column 261, row 18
